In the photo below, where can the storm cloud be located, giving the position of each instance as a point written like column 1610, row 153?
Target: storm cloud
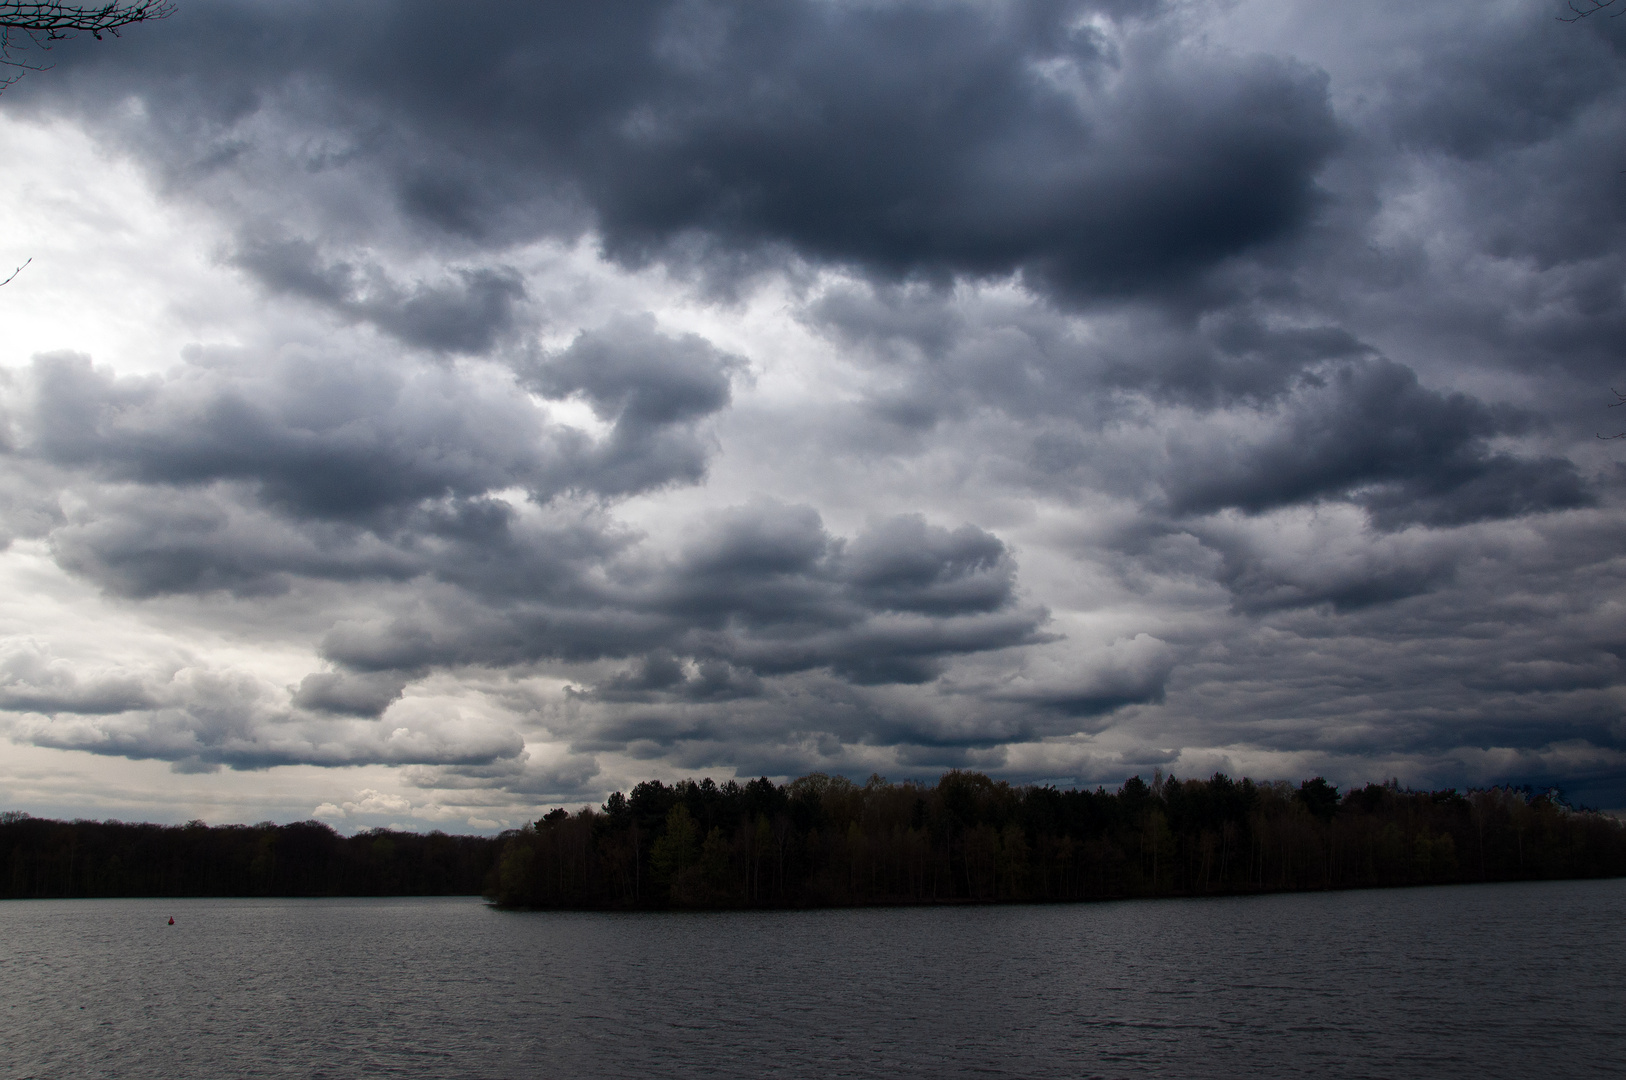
column 524, row 401
column 1047, row 139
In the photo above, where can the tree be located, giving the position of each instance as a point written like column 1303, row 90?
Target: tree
column 25, row 25
column 1319, row 797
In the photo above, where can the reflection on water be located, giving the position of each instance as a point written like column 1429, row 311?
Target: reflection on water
column 1458, row 981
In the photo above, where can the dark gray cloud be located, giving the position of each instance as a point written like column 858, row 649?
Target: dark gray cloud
column 904, row 564
column 251, row 479
column 949, row 139
column 349, row 694
column 1367, row 432
column 763, row 590
column 326, row 436
column 1260, row 580
column 823, row 720
column 1326, row 419
column 363, row 441
column 661, row 675
column 628, row 371
column 652, row 389
column 472, row 311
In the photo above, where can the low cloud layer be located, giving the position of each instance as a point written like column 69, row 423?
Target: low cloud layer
column 557, row 397
column 199, row 720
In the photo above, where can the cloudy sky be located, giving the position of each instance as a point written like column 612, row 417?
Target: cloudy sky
column 426, row 414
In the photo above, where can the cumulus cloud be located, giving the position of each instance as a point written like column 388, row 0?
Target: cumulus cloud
column 349, row 693
column 470, row 311
column 202, row 718
column 763, row 589
column 1130, row 671
column 34, row 681
column 651, row 388
column 1056, row 388
column 1368, row 433
column 235, row 473
column 323, row 436
column 1090, row 154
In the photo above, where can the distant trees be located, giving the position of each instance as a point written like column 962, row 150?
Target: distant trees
column 822, row 840
column 41, row 858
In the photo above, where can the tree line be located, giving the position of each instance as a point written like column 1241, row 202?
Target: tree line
column 825, row 841
column 40, row 858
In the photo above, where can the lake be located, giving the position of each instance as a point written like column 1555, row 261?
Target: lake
column 1455, row 981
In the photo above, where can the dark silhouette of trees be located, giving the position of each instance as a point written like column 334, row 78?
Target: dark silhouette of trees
column 823, row 840
column 826, row 841
column 1320, row 798
column 41, row 858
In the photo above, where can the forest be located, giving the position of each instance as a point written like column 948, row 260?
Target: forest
column 825, row 841
column 822, row 841
column 40, row 858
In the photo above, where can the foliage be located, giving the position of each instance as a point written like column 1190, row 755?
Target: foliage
column 823, row 840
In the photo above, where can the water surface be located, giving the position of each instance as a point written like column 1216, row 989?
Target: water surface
column 1454, row 981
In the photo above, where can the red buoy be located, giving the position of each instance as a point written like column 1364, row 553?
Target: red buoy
column 172, row 920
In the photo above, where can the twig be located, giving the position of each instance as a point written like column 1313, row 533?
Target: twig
column 1590, row 7
column 1620, row 399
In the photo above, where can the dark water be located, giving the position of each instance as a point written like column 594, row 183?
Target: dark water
column 1496, row 980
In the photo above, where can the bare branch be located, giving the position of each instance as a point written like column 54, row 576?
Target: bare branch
column 55, row 20
column 15, row 272
column 1581, row 9
column 1620, row 399
column 36, row 25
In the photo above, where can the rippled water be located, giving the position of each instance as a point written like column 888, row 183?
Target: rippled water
column 1473, row 980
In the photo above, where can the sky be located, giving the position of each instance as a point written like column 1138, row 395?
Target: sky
column 423, row 415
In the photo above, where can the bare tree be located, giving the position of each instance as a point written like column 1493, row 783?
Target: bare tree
column 35, row 26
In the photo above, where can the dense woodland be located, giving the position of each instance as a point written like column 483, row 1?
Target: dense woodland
column 40, row 858
column 823, row 840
